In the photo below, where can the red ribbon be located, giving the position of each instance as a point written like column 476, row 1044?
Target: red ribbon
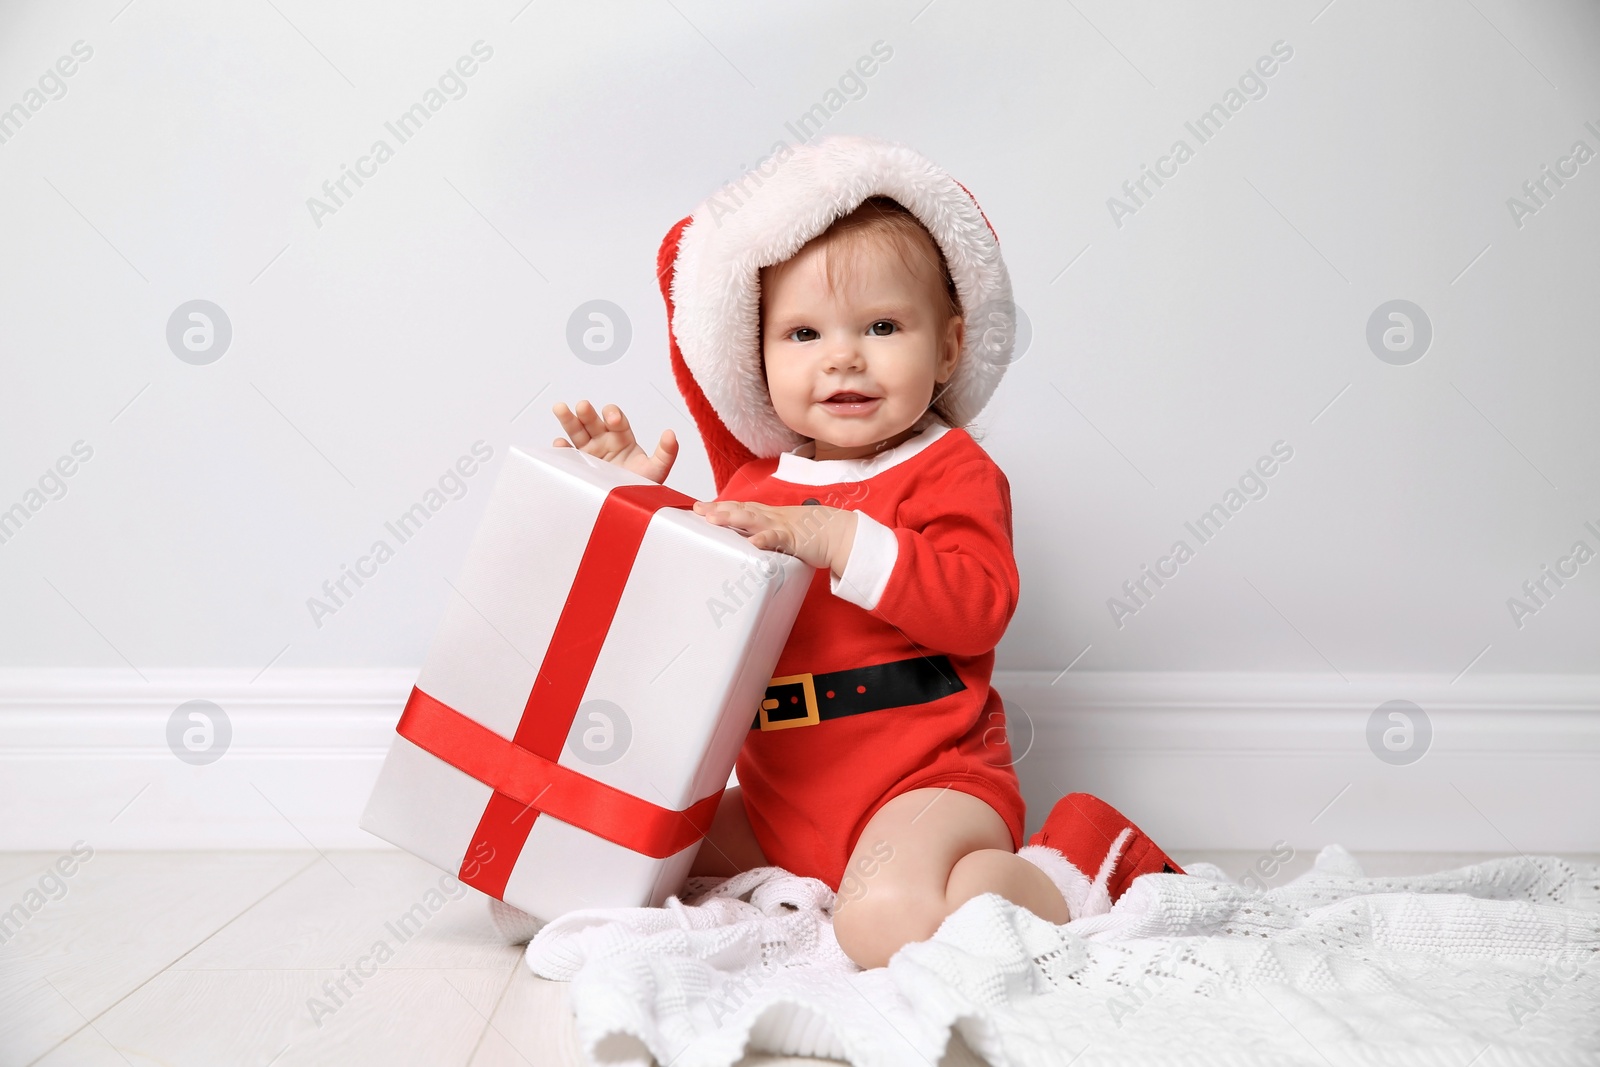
column 524, row 772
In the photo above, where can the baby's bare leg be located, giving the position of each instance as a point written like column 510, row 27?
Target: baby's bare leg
column 922, row 855
column 730, row 847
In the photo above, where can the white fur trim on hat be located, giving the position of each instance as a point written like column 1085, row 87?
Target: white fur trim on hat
column 768, row 216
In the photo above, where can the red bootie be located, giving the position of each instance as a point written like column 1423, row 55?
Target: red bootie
column 1084, row 834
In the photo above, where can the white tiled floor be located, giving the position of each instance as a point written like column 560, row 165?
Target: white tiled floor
column 220, row 958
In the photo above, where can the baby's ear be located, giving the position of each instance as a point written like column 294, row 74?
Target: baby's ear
column 955, row 337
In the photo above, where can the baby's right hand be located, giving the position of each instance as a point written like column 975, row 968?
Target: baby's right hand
column 611, row 438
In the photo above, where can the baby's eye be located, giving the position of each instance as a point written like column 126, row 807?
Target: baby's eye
column 799, row 330
column 883, row 322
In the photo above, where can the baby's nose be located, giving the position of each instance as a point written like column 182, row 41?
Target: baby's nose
column 844, row 354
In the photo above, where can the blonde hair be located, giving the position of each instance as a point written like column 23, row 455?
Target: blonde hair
column 879, row 222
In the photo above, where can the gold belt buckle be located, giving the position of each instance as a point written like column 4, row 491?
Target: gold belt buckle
column 808, row 686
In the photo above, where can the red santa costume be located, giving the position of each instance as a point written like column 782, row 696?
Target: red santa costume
column 883, row 685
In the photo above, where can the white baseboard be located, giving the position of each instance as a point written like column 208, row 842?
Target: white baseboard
column 1232, row 761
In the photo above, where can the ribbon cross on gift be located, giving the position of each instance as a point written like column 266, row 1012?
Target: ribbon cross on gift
column 523, row 771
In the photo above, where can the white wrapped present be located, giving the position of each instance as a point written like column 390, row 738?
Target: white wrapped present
column 583, row 702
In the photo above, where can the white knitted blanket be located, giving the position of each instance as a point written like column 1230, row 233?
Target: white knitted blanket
column 1488, row 965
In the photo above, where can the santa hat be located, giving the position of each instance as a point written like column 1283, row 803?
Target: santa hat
column 709, row 269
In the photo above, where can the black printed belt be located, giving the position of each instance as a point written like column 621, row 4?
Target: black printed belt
column 807, row 699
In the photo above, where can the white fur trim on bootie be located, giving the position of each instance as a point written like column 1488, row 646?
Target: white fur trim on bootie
column 1083, row 896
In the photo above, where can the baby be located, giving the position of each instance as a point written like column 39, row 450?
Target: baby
column 879, row 762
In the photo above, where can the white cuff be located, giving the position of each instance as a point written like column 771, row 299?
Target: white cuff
column 872, row 558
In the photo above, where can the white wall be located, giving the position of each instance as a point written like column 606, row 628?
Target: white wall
column 372, row 347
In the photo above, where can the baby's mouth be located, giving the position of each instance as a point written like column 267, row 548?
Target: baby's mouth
column 846, row 402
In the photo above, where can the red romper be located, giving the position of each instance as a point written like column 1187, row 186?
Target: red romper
column 931, row 572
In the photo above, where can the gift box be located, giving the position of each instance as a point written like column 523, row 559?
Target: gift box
column 602, row 656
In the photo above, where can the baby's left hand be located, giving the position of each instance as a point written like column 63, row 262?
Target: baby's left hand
column 814, row 533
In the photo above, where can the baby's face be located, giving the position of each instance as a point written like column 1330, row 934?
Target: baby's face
column 885, row 335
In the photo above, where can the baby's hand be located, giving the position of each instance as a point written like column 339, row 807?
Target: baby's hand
column 611, row 439
column 814, row 533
